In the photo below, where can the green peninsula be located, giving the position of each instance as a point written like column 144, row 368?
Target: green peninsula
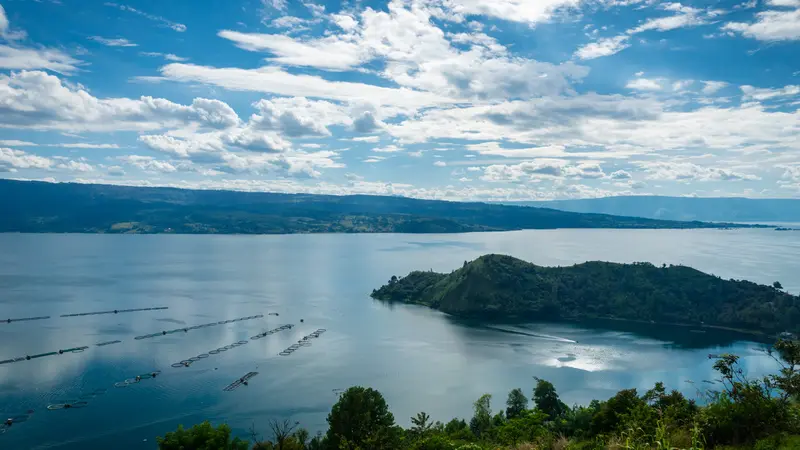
column 502, row 287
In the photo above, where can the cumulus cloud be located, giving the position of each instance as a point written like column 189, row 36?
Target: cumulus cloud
column 417, row 54
column 692, row 172
column 35, row 99
column 603, row 47
column 115, row 171
column 760, row 94
column 620, row 175
column 275, row 80
column 298, row 116
column 511, row 10
column 366, row 123
column 75, row 166
column 771, row 25
column 541, row 168
column 19, row 58
column 11, row 160
column 644, row 84
column 711, row 87
column 148, row 163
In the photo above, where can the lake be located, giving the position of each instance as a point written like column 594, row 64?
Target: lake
column 418, row 358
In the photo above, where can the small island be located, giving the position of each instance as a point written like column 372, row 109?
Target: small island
column 498, row 287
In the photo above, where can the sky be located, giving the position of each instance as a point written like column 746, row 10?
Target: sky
column 443, row 99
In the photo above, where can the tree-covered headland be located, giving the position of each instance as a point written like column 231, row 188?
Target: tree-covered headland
column 504, row 287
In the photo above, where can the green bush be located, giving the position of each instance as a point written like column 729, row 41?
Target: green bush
column 201, row 437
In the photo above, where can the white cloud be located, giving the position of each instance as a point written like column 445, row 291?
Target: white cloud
column 276, row 4
column 278, row 81
column 525, row 170
column 293, row 24
column 329, row 52
column 772, row 25
column 18, row 58
column 84, row 145
column 17, row 159
column 148, row 163
column 541, row 168
column 685, row 16
column 113, row 42
column 669, row 23
column 692, row 172
column 344, row 21
column 417, row 54
column 711, row 87
column 371, row 139
column 179, row 27
column 75, row 166
column 17, row 143
column 367, row 123
column 791, row 172
column 115, row 171
column 298, row 116
column 440, row 164
column 512, row 10
column 620, row 175
column 494, row 149
column 34, row 99
column 644, row 84
column 5, row 28
column 388, row 149
column 753, row 93
column 167, row 56
column 3, row 21
column 682, row 85
column 603, row 47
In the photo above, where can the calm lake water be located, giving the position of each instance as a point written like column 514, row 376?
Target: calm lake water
column 418, row 358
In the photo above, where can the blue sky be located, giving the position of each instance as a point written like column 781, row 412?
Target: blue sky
column 450, row 99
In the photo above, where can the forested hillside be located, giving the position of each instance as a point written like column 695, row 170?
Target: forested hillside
column 497, row 286
column 91, row 208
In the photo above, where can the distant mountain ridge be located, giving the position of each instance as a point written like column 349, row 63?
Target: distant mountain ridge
column 503, row 287
column 29, row 206
column 713, row 209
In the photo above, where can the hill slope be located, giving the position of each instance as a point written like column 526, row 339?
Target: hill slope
column 496, row 286
column 86, row 208
column 683, row 208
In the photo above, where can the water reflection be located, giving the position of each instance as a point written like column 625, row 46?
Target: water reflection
column 419, row 358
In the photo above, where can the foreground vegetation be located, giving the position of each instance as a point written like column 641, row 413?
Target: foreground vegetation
column 503, row 287
column 37, row 207
column 758, row 414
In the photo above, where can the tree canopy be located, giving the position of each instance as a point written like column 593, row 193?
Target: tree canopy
column 203, row 436
column 503, row 287
column 742, row 414
column 361, row 420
